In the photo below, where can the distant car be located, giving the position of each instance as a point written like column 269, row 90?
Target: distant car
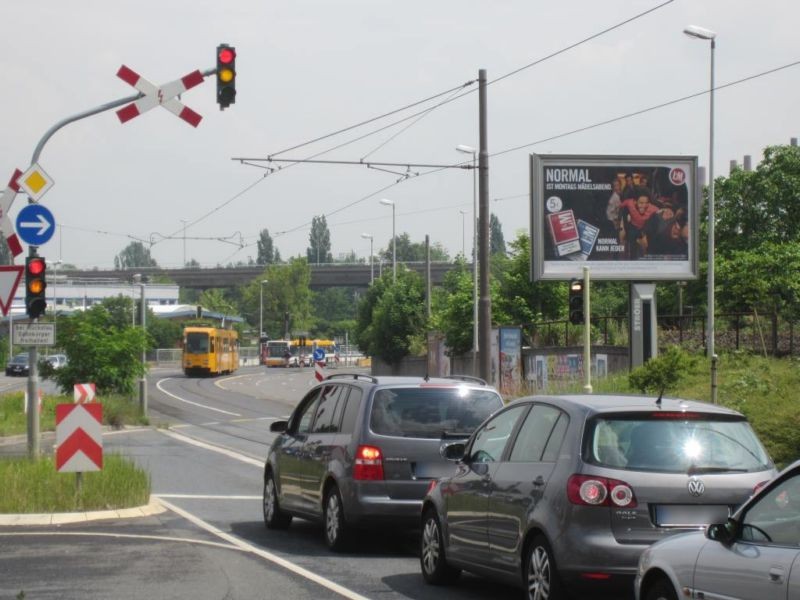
column 361, row 450
column 755, row 554
column 561, row 494
column 18, row 365
column 57, row 361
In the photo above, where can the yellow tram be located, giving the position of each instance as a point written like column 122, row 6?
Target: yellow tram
column 210, row 351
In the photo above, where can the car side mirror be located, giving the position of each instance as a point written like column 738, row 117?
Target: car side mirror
column 722, row 532
column 454, row 451
column 278, row 426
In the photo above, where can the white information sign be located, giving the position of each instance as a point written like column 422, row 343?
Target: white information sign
column 35, row 334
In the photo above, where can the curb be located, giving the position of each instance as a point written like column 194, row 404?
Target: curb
column 154, row 507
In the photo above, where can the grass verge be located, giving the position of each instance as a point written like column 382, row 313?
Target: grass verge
column 35, row 486
column 118, row 411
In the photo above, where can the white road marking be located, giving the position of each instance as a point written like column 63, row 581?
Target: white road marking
column 161, row 538
column 219, row 449
column 269, row 556
column 171, row 395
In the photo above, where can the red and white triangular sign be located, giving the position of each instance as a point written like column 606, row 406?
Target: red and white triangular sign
column 10, row 276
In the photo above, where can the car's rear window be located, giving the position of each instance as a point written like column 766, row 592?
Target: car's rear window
column 431, row 412
column 701, row 443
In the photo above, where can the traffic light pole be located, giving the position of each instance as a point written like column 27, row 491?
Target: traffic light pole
column 587, row 334
column 34, row 448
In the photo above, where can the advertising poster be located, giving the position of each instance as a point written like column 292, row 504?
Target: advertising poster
column 510, row 360
column 626, row 218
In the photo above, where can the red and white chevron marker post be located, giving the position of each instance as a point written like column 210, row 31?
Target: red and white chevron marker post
column 164, row 95
column 318, row 373
column 5, row 223
column 84, row 392
column 79, row 437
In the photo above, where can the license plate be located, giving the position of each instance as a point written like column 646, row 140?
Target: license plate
column 677, row 515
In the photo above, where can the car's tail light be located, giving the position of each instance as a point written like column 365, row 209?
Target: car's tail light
column 600, row 491
column 368, row 464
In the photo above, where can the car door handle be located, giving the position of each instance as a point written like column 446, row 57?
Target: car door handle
column 776, row 575
column 539, row 481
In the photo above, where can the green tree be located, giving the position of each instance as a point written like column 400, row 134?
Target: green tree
column 497, row 242
column 287, row 291
column 754, row 207
column 452, row 308
column 391, row 316
column 408, row 251
column 319, row 240
column 101, row 350
column 334, row 310
column 134, row 255
column 267, row 253
column 215, row 299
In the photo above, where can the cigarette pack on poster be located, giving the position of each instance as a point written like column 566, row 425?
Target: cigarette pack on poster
column 564, row 232
column 587, row 234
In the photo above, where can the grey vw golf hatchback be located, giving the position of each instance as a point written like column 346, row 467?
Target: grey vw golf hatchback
column 359, row 449
column 566, row 492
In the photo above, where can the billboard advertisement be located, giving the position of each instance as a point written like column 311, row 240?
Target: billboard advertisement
column 624, row 217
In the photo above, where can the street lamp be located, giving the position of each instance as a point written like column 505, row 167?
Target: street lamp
column 707, row 34
column 470, row 150
column 184, row 242
column 369, row 236
column 463, row 227
column 387, row 202
column 261, row 311
column 139, row 280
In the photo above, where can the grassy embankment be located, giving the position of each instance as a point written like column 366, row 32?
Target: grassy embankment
column 36, row 487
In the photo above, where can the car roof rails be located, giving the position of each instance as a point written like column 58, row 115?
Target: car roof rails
column 467, row 378
column 355, row 376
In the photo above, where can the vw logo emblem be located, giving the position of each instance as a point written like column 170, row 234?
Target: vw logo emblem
column 696, row 487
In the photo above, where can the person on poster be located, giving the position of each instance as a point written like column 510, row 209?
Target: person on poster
column 613, row 206
column 635, row 214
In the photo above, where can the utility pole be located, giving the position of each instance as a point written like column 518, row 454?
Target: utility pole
column 485, row 304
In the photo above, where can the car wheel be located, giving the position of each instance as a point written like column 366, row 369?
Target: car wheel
column 274, row 517
column 432, row 558
column 336, row 529
column 541, row 577
column 661, row 590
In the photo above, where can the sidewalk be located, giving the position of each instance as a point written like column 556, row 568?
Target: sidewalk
column 153, row 508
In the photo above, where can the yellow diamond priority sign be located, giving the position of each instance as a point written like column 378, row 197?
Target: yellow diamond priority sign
column 35, row 182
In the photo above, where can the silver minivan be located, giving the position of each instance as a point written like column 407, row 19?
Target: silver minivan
column 560, row 492
column 361, row 450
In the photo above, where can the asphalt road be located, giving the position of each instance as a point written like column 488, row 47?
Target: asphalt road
column 206, row 468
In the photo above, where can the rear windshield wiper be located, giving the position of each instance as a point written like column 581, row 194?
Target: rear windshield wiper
column 694, row 470
column 450, row 435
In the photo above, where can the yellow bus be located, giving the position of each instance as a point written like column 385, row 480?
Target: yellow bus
column 210, row 351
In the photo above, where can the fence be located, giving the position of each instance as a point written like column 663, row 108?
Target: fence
column 767, row 335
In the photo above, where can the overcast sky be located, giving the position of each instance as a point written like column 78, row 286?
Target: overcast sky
column 309, row 68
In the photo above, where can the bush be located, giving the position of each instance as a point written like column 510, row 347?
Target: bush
column 663, row 373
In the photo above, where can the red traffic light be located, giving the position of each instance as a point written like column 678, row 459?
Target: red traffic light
column 36, row 266
column 226, row 55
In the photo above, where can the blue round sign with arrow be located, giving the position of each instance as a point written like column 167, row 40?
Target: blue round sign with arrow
column 35, row 225
column 319, row 354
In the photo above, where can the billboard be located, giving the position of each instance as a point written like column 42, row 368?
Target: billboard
column 624, row 217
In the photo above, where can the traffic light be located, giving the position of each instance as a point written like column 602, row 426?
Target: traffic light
column 576, row 301
column 226, row 76
column 35, row 285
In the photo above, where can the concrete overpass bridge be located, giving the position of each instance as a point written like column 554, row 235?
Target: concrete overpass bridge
column 322, row 276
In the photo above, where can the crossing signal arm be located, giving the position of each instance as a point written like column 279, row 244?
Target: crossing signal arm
column 35, row 286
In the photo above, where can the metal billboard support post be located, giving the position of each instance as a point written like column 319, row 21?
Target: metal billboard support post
column 587, row 334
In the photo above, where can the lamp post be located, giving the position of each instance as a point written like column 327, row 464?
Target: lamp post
column 184, row 242
column 387, row 202
column 463, row 237
column 261, row 310
column 710, row 36
column 470, row 150
column 369, row 236
column 138, row 279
